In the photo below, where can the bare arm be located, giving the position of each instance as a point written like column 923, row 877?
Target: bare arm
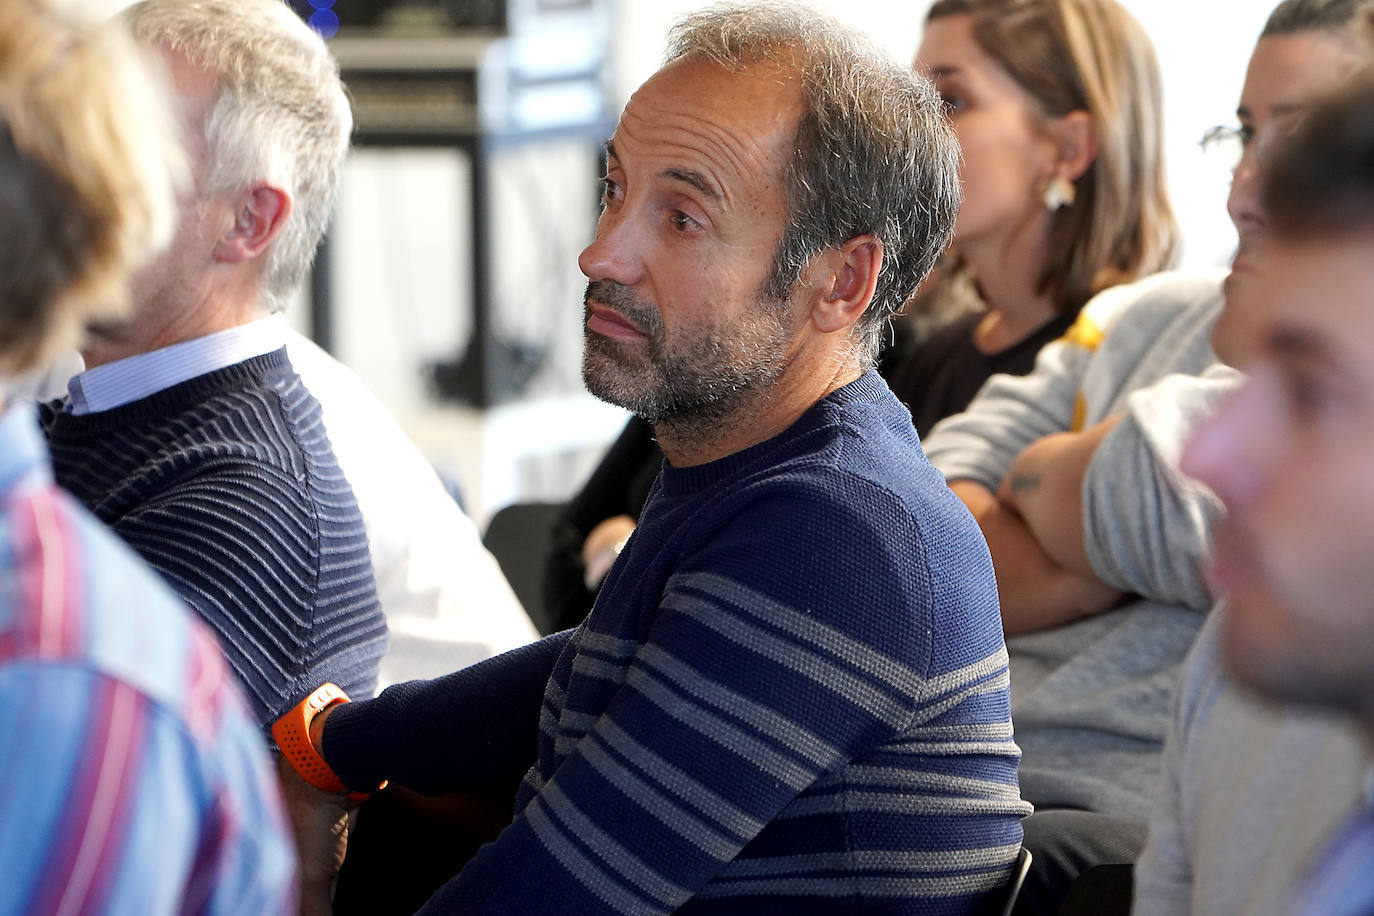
column 1036, row 592
column 1044, row 486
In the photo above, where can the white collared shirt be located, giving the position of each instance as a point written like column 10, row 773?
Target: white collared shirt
column 135, row 377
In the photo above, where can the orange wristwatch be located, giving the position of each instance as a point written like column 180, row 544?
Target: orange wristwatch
column 292, row 734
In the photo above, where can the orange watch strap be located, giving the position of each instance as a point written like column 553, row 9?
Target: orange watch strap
column 292, row 734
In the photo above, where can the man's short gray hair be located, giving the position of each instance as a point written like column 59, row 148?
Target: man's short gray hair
column 280, row 117
column 873, row 153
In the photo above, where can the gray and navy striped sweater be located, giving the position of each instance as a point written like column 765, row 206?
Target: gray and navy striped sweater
column 790, row 697
column 227, row 485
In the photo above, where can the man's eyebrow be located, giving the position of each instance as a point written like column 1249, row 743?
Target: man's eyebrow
column 687, row 176
column 1297, row 343
column 1283, row 108
column 695, row 179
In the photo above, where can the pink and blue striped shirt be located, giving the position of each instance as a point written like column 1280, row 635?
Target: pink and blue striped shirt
column 132, row 777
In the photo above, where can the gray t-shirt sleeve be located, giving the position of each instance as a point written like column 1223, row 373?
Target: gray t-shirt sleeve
column 1075, row 379
column 1008, row 414
column 1147, row 526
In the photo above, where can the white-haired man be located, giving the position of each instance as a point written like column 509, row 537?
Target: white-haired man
column 135, row 778
column 189, row 432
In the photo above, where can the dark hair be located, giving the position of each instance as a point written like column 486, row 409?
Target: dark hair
column 1090, row 55
column 46, row 238
column 1321, row 180
column 1327, row 15
column 873, row 154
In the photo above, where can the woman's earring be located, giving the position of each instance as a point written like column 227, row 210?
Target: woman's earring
column 1060, row 192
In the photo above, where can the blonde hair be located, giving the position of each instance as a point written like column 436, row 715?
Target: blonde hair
column 87, row 164
column 1090, row 55
column 281, row 115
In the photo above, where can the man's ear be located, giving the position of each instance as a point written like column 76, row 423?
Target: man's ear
column 1075, row 143
column 843, row 280
column 259, row 215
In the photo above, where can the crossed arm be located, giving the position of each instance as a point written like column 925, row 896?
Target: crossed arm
column 1034, row 528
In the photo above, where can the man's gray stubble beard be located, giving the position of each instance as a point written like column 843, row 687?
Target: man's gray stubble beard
column 696, row 388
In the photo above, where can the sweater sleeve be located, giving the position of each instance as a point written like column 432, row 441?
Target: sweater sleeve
column 1146, row 526
column 242, row 544
column 471, row 729
column 1011, row 412
column 742, row 696
column 1072, row 384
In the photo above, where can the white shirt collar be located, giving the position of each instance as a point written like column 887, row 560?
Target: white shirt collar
column 135, row 377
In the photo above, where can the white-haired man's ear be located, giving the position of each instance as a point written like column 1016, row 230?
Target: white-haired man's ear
column 259, row 215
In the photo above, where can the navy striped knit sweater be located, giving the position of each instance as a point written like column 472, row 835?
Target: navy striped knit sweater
column 227, row 485
column 790, row 697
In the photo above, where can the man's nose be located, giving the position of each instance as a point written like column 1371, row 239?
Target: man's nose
column 614, row 252
column 1243, row 203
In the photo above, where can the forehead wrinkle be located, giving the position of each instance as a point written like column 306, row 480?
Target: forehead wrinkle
column 725, row 156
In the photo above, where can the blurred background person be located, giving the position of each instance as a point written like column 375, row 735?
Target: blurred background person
column 136, row 780
column 189, row 433
column 1289, row 456
column 1072, row 471
column 592, row 528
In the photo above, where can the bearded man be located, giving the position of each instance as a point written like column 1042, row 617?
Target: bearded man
column 792, row 690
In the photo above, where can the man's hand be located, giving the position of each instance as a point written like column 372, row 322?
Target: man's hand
column 319, row 821
column 1044, row 486
column 1035, row 592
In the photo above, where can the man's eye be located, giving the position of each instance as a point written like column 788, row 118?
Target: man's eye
column 1309, row 396
column 952, row 103
column 682, row 222
column 1246, row 134
column 610, row 189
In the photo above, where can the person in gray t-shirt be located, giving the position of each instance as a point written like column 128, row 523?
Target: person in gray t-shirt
column 1096, row 537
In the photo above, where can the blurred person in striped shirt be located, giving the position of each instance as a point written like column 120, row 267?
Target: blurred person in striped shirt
column 134, row 778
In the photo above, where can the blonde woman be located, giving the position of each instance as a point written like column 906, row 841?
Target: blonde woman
column 1057, row 106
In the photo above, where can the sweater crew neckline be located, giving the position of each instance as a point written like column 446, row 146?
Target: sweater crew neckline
column 684, row 481
column 178, row 397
